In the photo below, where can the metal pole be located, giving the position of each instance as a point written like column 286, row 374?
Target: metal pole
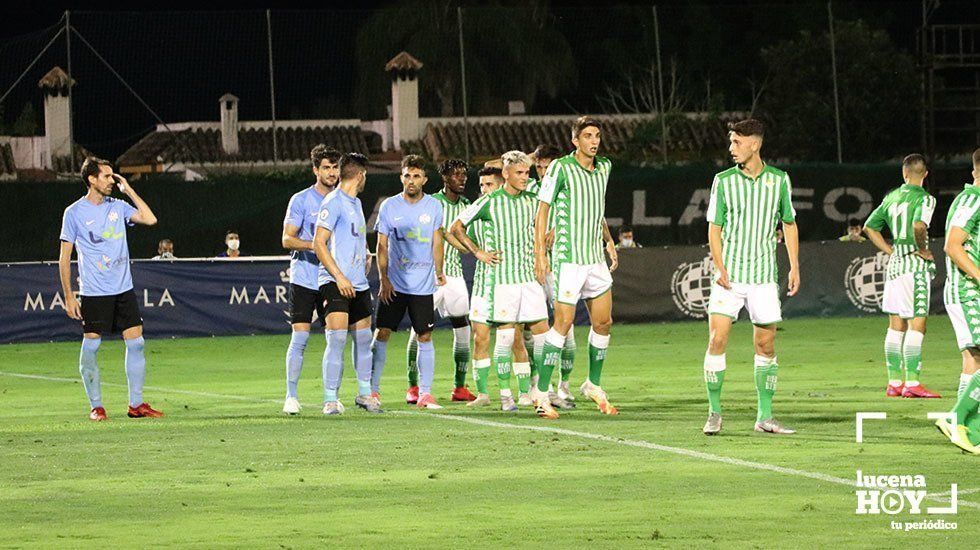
column 660, row 86
column 71, row 132
column 462, row 70
column 833, row 66
column 272, row 90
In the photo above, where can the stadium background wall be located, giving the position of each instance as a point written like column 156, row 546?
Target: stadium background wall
column 664, row 205
column 215, row 297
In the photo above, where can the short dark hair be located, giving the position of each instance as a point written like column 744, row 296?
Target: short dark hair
column 625, row 229
column 165, row 241
column 748, row 127
column 583, row 122
column 91, row 167
column 916, row 163
column 490, row 171
column 853, row 221
column 321, row 152
column 976, row 159
column 546, row 151
column 450, row 165
column 231, row 232
column 351, row 164
column 413, row 161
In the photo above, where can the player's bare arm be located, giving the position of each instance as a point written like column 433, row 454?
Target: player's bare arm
column 921, row 232
column 455, row 242
column 72, row 307
column 320, row 239
column 957, row 253
column 714, row 244
column 878, row 240
column 541, row 267
column 438, row 250
column 610, row 246
column 144, row 216
column 459, row 232
column 385, row 292
column 792, row 235
column 291, row 241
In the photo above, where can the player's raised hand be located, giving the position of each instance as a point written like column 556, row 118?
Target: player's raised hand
column 73, row 308
column 121, row 183
column 723, row 280
column 386, row 292
column 489, row 258
column 613, row 256
column 794, row 282
column 345, row 287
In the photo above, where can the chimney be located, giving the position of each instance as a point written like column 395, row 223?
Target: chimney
column 229, row 124
column 57, row 114
column 404, row 71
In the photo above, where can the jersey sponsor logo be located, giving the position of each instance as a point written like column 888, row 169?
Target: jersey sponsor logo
column 864, row 281
column 691, row 287
column 414, row 234
column 425, row 218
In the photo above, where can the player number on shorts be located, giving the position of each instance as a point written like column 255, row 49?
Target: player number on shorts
column 899, row 213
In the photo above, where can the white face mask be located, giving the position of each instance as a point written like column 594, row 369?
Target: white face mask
column 626, row 243
column 167, row 255
column 233, row 244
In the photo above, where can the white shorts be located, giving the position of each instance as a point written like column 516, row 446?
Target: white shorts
column 480, row 310
column 575, row 282
column 761, row 301
column 518, row 303
column 452, row 299
column 549, row 289
column 965, row 318
column 908, row 295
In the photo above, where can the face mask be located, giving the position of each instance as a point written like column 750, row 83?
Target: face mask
column 233, row 244
column 626, row 243
column 167, row 255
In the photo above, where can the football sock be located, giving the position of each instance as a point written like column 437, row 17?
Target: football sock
column 598, row 343
column 427, row 366
column 967, row 402
column 411, row 359
column 523, row 373
column 537, row 356
column 135, row 369
column 461, row 354
column 912, row 353
column 481, row 372
column 379, row 351
column 89, row 368
column 714, row 377
column 568, row 355
column 361, row 357
column 964, row 382
column 550, row 358
column 294, row 361
column 893, row 356
column 765, row 385
column 333, row 363
column 502, row 357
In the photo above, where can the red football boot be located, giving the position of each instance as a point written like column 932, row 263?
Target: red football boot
column 97, row 414
column 918, row 391
column 376, row 395
column 894, row 391
column 144, row 410
column 463, row 393
column 412, row 395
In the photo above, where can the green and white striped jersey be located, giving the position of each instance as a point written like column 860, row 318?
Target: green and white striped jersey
column 477, row 232
column 510, row 231
column 900, row 210
column 965, row 214
column 748, row 209
column 578, row 198
column 452, row 265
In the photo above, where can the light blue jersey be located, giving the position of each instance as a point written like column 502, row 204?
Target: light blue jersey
column 302, row 213
column 343, row 216
column 99, row 236
column 410, row 229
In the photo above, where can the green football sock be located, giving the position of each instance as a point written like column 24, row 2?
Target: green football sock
column 568, row 356
column 598, row 343
column 912, row 354
column 714, row 377
column 503, row 357
column 550, row 359
column 411, row 358
column 968, row 400
column 765, row 385
column 893, row 354
column 523, row 373
column 461, row 354
column 973, row 423
column 481, row 373
column 964, row 382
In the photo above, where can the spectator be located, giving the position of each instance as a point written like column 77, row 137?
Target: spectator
column 854, row 230
column 626, row 238
column 233, row 245
column 165, row 250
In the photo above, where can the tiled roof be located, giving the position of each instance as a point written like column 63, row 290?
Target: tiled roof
column 490, row 139
column 203, row 145
column 7, row 160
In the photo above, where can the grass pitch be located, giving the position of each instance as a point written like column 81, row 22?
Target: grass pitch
column 226, row 468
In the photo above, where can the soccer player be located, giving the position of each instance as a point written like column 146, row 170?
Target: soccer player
column 452, row 299
column 575, row 187
column 410, row 264
column 96, row 225
column 907, row 211
column 961, row 296
column 298, row 229
column 340, row 243
column 746, row 202
column 512, row 295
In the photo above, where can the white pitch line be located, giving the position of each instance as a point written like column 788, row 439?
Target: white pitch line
column 548, row 429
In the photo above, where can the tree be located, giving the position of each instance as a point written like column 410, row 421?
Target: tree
column 26, row 123
column 877, row 86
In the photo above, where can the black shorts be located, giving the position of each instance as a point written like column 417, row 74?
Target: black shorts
column 420, row 312
column 108, row 314
column 303, row 301
column 357, row 308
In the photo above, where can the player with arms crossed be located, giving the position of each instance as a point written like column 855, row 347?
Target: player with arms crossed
column 304, row 291
column 410, row 256
column 575, row 187
column 452, row 299
column 341, row 246
column 746, row 202
column 907, row 211
column 96, row 225
column 961, row 295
